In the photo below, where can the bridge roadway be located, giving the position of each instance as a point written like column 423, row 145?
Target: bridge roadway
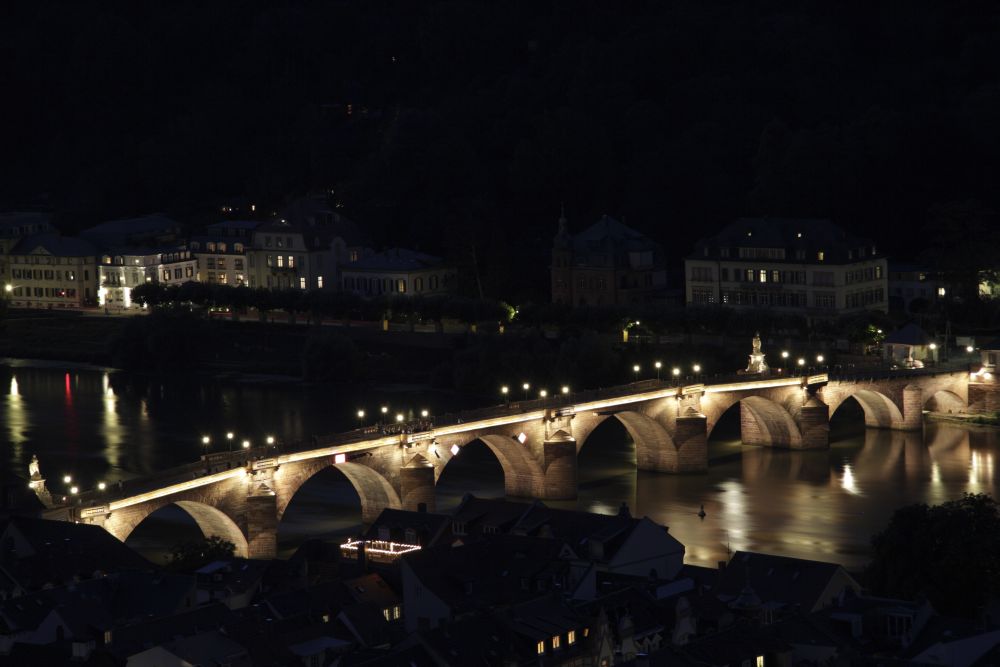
column 242, row 495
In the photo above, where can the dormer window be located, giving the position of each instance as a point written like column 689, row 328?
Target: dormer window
column 458, row 527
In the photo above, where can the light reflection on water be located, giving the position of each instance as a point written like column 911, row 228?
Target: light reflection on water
column 814, row 504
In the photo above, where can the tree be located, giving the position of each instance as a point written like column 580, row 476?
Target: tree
column 190, row 556
column 948, row 552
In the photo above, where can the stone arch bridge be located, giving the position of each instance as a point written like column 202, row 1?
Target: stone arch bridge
column 242, row 496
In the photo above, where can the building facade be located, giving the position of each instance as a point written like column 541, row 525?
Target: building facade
column 122, row 270
column 52, row 271
column 914, row 288
column 398, row 271
column 808, row 266
column 606, row 264
column 222, row 252
column 15, row 226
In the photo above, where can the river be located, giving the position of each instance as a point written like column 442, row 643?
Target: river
column 96, row 425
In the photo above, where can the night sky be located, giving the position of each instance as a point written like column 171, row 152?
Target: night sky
column 461, row 126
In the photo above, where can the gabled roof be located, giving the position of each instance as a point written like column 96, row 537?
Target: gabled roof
column 778, row 579
column 487, row 572
column 909, row 334
column 395, row 259
column 55, row 245
column 808, row 234
column 55, row 552
column 427, row 526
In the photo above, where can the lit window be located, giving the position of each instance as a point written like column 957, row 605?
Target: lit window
column 763, row 275
column 556, row 641
column 540, row 648
column 291, row 261
column 281, row 261
column 107, row 636
column 387, row 613
column 302, row 283
column 571, row 637
column 401, row 286
column 819, row 255
column 397, row 611
column 941, row 291
column 319, row 282
column 759, row 662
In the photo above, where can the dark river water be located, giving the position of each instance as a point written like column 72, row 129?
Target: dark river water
column 825, row 505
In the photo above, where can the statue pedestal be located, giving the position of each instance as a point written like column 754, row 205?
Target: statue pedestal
column 37, row 485
column 757, row 364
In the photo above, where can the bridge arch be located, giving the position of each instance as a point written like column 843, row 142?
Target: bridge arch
column 374, row 490
column 762, row 420
column 522, row 474
column 944, row 400
column 652, row 440
column 880, row 410
column 212, row 522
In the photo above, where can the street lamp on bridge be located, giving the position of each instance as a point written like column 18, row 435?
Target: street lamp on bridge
column 526, row 386
column 636, row 369
column 658, row 366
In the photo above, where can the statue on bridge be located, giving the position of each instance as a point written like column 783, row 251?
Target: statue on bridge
column 757, row 364
column 34, row 472
column 37, row 482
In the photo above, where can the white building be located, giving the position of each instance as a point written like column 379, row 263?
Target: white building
column 811, row 267
column 398, row 271
column 122, row 270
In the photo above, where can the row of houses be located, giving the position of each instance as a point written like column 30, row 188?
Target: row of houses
column 805, row 266
column 310, row 247
column 493, row 583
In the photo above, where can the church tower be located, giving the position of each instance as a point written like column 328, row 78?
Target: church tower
column 562, row 263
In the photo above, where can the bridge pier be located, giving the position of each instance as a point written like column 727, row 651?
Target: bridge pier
column 416, row 484
column 691, row 443
column 559, row 467
column 913, row 409
column 814, row 424
column 984, row 395
column 262, row 526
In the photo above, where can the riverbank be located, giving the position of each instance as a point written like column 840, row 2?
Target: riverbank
column 989, row 419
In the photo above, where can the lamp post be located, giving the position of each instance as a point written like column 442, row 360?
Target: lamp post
column 565, row 389
column 676, row 373
column 361, row 418
column 206, row 440
column 424, row 414
column 505, row 392
column 820, row 358
column 385, row 411
column 270, row 441
column 246, row 444
column 658, row 366
column 636, row 369
column 802, row 363
column 526, row 386
column 399, row 417
column 229, row 437
column 696, row 368
column 543, row 393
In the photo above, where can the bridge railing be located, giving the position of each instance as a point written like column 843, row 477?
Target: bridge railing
column 218, row 461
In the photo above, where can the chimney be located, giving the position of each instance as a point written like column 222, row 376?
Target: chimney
column 422, row 508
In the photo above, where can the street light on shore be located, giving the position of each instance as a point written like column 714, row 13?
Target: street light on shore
column 784, row 354
column 67, row 479
column 399, row 417
column 101, row 486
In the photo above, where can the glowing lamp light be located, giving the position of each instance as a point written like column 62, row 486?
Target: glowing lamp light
column 67, row 479
column 361, row 414
column 543, row 393
column 635, row 369
column 101, row 486
column 658, row 365
column 339, row 458
column 526, row 386
column 433, row 449
column 565, row 389
column 933, row 346
column 455, row 449
column 400, row 418
column 8, row 288
column 270, row 439
column 205, row 440
column 74, row 490
column 424, row 413
column 246, row 444
column 819, row 358
column 801, row 362
column 521, row 437
column 697, row 368
column 676, row 372
column 504, row 389
column 784, row 354
column 970, row 349
column 230, row 435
